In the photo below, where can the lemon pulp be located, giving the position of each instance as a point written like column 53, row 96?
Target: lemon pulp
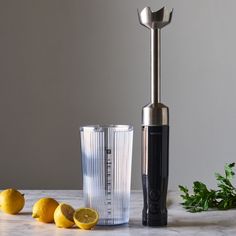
column 86, row 218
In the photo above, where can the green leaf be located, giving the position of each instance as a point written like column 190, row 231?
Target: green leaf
column 229, row 171
column 205, row 207
column 183, row 189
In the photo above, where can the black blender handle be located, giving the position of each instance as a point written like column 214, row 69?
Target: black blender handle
column 155, row 181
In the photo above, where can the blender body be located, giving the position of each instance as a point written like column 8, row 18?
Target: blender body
column 155, row 129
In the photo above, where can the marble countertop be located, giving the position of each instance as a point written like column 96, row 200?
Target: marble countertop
column 180, row 222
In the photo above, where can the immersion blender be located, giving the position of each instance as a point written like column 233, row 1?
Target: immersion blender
column 155, row 129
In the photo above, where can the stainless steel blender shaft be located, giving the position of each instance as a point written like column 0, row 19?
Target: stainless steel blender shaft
column 155, row 65
column 155, row 129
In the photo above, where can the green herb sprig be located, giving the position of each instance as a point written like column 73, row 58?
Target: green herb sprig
column 203, row 198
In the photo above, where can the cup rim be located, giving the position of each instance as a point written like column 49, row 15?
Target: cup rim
column 100, row 128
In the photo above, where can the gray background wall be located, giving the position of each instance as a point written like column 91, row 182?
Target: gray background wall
column 68, row 63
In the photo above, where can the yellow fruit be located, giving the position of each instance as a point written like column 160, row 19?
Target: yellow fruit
column 86, row 218
column 11, row 201
column 43, row 209
column 63, row 216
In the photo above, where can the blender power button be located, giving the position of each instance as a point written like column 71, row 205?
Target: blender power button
column 154, row 195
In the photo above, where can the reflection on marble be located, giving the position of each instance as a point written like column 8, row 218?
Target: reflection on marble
column 217, row 223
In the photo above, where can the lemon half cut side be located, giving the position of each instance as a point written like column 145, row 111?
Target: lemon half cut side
column 63, row 216
column 86, row 218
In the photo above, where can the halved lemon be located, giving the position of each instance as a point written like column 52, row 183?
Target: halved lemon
column 63, row 216
column 86, row 218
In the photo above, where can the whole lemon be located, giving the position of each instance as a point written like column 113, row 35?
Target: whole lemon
column 63, row 216
column 11, row 201
column 43, row 210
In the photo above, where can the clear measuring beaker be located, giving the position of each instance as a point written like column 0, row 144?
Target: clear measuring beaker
column 106, row 161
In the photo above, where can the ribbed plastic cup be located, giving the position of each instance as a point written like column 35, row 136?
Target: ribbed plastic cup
column 106, row 161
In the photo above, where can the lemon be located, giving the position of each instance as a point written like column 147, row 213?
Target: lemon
column 43, row 209
column 86, row 218
column 63, row 216
column 11, row 201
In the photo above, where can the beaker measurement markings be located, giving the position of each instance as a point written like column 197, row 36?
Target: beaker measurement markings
column 107, row 150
